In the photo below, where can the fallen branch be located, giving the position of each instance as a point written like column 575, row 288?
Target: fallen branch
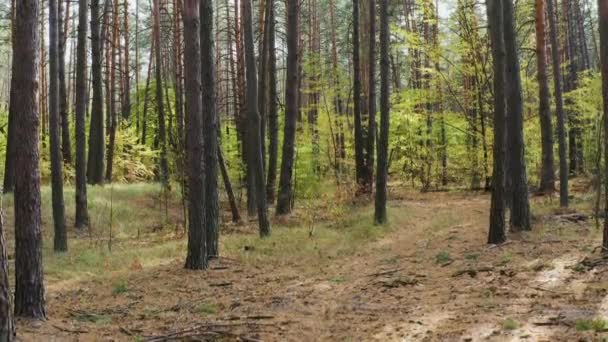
column 221, row 284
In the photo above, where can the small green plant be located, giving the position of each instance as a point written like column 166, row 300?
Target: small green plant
column 510, row 324
column 598, row 325
column 579, row 268
column 206, row 309
column 338, row 279
column 443, row 257
column 120, row 288
column 472, row 256
column 93, row 318
column 505, row 260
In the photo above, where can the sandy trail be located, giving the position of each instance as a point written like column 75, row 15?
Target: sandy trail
column 402, row 287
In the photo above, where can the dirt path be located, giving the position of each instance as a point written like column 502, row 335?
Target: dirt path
column 403, row 287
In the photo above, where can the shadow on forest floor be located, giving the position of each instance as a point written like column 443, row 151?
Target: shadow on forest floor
column 428, row 276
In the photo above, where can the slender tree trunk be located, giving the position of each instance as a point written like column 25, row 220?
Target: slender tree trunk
column 547, row 175
column 95, row 170
column 497, row 232
column 371, row 126
column 520, row 208
column 66, row 147
column 126, row 99
column 197, row 240
column 603, row 28
column 253, row 132
column 112, row 112
column 9, row 162
column 285, row 197
column 382, row 169
column 162, row 132
column 82, row 215
column 60, row 237
column 273, row 115
column 559, row 108
column 29, row 277
column 360, row 168
column 210, row 128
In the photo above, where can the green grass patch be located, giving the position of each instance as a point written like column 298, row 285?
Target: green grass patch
column 597, row 324
column 510, row 324
column 206, row 309
column 119, row 288
column 443, row 258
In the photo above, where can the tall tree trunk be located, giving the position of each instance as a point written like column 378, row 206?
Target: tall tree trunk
column 559, row 108
column 547, row 175
column 497, row 230
column 285, row 197
column 95, row 170
column 359, row 154
column 371, row 126
column 9, row 162
column 382, row 169
column 82, row 215
column 160, row 106
column 197, row 240
column 520, row 208
column 66, row 147
column 112, row 112
column 137, row 100
column 60, row 237
column 126, row 97
column 210, row 128
column 603, row 28
column 253, row 132
column 29, row 277
column 273, row 115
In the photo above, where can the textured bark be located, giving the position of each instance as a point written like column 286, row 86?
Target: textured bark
column 60, row 241
column 273, row 114
column 253, row 132
column 114, row 50
column 285, row 197
column 263, row 75
column 126, row 97
column 559, row 107
column 82, row 215
column 210, row 128
column 547, row 175
column 29, row 277
column 382, row 169
column 603, row 28
column 95, row 169
column 160, row 106
column 197, row 241
column 62, row 24
column 520, row 208
column 497, row 230
column 9, row 162
column 7, row 323
column 360, row 169
column 371, row 109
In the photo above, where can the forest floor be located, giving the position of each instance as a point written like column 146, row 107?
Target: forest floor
column 428, row 276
